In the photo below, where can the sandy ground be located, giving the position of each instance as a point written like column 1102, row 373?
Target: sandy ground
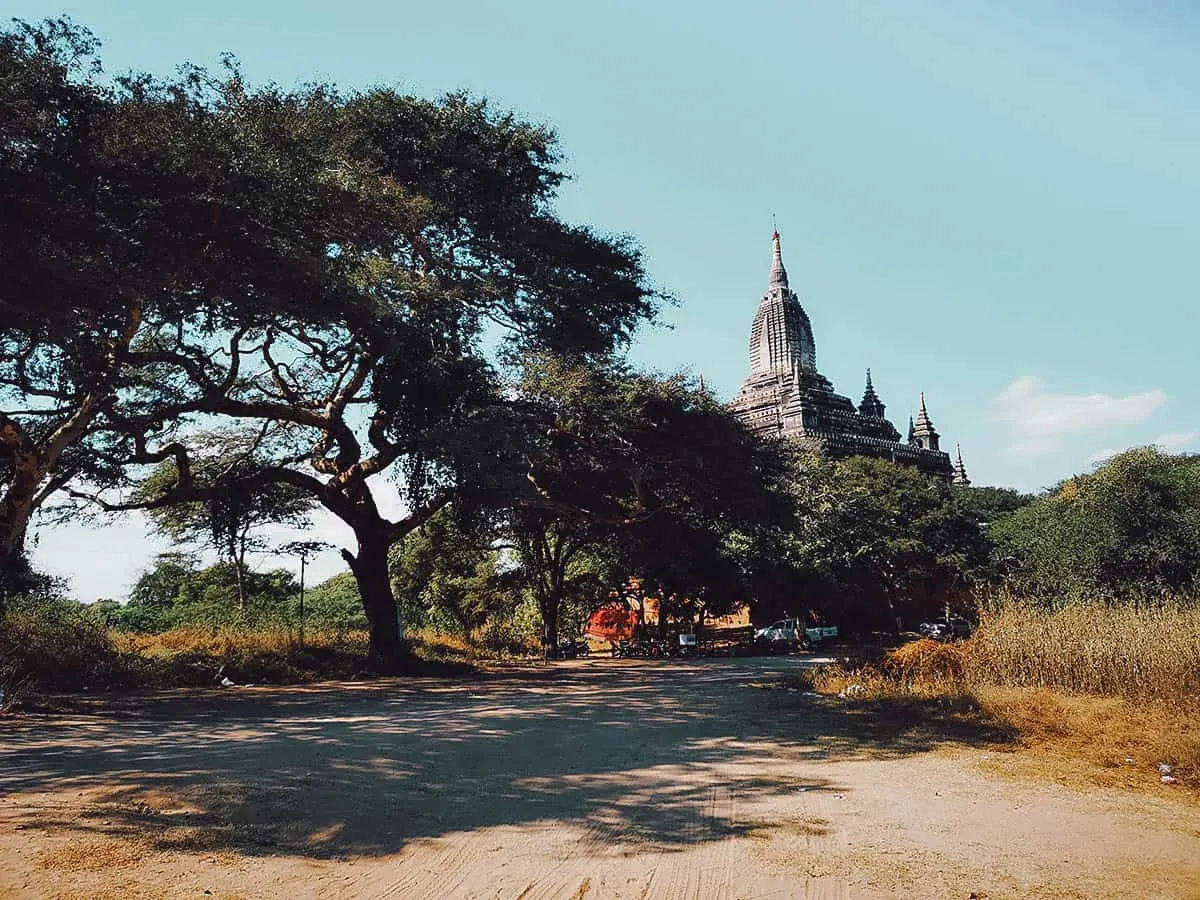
column 598, row 778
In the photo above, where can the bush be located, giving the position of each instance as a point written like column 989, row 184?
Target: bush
column 59, row 650
column 926, row 660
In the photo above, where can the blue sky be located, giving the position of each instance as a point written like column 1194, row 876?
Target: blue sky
column 997, row 204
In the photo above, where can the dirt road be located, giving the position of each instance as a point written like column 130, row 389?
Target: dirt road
column 591, row 779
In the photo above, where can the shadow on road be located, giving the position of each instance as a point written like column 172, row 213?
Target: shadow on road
column 631, row 751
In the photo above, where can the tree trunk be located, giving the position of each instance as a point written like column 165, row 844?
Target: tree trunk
column 13, row 521
column 387, row 653
column 240, row 566
column 17, row 496
column 548, row 606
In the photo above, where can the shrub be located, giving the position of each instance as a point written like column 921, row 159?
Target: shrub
column 57, row 650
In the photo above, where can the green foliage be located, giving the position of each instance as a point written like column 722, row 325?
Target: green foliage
column 446, row 577
column 875, row 545
column 22, row 586
column 334, row 604
column 626, row 473
column 235, row 506
column 1130, row 530
column 174, row 592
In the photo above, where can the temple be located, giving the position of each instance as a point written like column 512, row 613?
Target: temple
column 785, row 396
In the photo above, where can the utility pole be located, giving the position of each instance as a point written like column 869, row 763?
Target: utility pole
column 303, row 560
column 303, row 549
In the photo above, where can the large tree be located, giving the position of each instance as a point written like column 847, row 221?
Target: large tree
column 137, row 217
column 875, row 545
column 443, row 247
column 1128, row 531
column 232, row 516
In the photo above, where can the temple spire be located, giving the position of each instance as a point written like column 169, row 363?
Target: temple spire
column 960, row 471
column 778, row 272
column 871, row 404
column 925, row 434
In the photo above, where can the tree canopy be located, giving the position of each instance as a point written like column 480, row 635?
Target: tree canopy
column 630, row 474
column 1129, row 530
column 873, row 546
column 316, row 267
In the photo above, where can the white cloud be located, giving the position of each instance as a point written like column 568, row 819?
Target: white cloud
column 1038, row 418
column 1101, row 456
column 1175, row 441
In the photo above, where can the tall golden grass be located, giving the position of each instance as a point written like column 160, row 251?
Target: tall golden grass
column 1117, row 687
column 220, row 641
column 1138, row 652
column 41, row 656
column 426, row 643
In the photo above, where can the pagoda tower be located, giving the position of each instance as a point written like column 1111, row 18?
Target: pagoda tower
column 959, row 475
column 784, row 396
column 924, row 435
column 871, row 405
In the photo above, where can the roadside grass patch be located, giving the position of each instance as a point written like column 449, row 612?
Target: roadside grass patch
column 1099, row 694
column 43, row 657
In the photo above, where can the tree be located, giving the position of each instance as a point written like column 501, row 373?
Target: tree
column 631, row 475
column 336, row 604
column 139, row 216
column 1130, row 530
column 235, row 505
column 877, row 544
column 151, row 604
column 174, row 591
column 46, row 121
column 443, row 226
column 443, row 572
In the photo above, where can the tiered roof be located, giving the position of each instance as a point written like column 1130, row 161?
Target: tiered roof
column 785, row 396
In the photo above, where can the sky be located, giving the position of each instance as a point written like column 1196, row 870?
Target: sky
column 996, row 204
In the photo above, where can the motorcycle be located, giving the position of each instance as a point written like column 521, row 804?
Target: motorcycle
column 650, row 649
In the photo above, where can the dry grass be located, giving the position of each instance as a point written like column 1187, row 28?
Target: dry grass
column 219, row 641
column 1139, row 652
column 41, row 658
column 425, row 643
column 1123, row 742
column 1115, row 688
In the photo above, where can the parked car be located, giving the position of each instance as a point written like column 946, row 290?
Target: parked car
column 790, row 635
column 945, row 629
column 819, row 633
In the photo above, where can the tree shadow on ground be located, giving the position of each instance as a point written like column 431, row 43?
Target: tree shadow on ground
column 633, row 753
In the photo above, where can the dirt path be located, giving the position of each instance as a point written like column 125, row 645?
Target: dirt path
column 593, row 779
